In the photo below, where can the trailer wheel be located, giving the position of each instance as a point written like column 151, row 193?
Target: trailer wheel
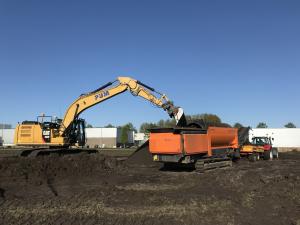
column 252, row 157
column 268, row 155
column 275, row 153
column 237, row 154
column 257, row 156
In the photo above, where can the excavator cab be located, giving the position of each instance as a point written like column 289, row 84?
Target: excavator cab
column 50, row 126
column 45, row 132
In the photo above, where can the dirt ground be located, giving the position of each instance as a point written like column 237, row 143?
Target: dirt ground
column 100, row 189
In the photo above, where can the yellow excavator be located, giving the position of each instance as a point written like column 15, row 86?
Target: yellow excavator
column 70, row 131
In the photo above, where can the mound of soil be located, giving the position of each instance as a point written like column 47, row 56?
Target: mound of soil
column 40, row 169
column 141, row 157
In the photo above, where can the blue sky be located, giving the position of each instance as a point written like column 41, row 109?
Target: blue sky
column 237, row 59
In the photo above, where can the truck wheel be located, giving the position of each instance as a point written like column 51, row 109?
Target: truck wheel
column 268, row 155
column 275, row 153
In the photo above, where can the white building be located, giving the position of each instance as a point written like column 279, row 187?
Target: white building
column 283, row 137
column 140, row 138
column 7, row 137
column 99, row 137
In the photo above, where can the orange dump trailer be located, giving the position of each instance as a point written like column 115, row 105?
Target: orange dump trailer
column 188, row 145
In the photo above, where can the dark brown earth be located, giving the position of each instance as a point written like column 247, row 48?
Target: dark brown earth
column 98, row 189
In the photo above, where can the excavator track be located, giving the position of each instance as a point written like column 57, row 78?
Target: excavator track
column 209, row 164
column 45, row 151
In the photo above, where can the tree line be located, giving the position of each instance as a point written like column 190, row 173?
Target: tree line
column 205, row 118
column 264, row 125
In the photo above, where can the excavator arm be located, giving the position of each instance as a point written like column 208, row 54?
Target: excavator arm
column 108, row 91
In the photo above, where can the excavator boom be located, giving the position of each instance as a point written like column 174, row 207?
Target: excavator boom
column 103, row 93
column 68, row 131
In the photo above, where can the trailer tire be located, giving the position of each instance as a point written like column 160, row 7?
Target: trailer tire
column 268, row 155
column 252, row 157
column 237, row 154
column 257, row 156
column 275, row 153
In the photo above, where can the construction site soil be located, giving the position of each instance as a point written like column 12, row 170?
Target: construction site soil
column 100, row 189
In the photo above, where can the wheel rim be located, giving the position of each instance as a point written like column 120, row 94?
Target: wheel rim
column 271, row 154
column 258, row 157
